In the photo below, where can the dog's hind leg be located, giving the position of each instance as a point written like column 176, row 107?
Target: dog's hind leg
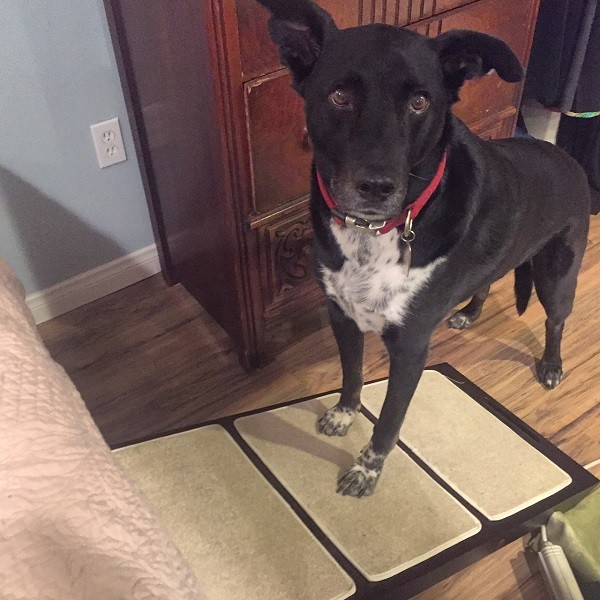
column 555, row 270
column 467, row 315
column 350, row 341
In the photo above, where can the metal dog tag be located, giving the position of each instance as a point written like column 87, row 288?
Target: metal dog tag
column 407, row 236
column 406, row 258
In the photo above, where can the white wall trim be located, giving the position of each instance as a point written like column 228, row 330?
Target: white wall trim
column 91, row 285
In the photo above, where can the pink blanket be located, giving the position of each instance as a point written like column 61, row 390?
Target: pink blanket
column 72, row 526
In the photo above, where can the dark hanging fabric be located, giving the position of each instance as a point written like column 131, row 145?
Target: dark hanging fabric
column 588, row 91
column 564, row 74
column 564, row 66
column 581, row 139
column 552, row 50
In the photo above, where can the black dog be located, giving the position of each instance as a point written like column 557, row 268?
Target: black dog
column 412, row 212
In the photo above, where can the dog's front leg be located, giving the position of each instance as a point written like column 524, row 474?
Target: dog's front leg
column 407, row 360
column 350, row 341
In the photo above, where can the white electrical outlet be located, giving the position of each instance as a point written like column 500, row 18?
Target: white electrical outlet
column 108, row 142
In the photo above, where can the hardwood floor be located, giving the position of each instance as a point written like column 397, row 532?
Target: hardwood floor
column 148, row 360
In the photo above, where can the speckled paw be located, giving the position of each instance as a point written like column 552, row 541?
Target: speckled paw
column 460, row 320
column 337, row 420
column 358, row 481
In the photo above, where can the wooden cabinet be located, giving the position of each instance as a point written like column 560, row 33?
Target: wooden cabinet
column 223, row 145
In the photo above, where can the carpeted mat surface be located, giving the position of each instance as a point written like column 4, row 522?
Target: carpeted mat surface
column 245, row 542
column 242, row 540
column 408, row 519
column 486, row 462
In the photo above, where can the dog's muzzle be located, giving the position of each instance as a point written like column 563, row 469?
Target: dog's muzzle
column 381, row 227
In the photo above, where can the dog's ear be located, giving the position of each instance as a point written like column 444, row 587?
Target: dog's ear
column 468, row 54
column 299, row 28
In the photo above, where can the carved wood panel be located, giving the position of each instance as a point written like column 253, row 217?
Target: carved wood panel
column 292, row 254
column 286, row 264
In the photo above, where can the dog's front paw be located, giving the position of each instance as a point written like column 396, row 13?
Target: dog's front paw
column 550, row 375
column 337, row 420
column 460, row 320
column 358, row 481
column 361, row 478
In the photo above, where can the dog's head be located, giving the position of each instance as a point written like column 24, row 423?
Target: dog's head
column 376, row 97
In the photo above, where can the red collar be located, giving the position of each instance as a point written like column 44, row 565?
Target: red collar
column 381, row 227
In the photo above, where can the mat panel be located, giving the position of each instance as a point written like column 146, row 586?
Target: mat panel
column 241, row 539
column 485, row 461
column 408, row 519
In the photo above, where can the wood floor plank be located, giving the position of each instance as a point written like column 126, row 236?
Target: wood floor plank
column 503, row 575
column 148, row 360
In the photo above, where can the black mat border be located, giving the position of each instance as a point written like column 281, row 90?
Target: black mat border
column 493, row 534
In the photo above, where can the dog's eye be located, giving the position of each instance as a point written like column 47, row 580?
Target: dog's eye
column 342, row 98
column 419, row 103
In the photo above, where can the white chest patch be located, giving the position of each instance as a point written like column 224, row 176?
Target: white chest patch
column 371, row 287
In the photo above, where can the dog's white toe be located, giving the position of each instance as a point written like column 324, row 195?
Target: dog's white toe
column 550, row 376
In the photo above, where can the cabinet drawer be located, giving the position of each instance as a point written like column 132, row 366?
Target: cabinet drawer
column 482, row 98
column 495, row 129
column 259, row 56
column 479, row 99
column 279, row 154
column 280, row 157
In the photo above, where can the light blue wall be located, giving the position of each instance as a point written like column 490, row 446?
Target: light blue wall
column 60, row 215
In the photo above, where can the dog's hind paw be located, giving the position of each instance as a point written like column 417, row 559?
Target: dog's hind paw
column 460, row 320
column 358, row 481
column 337, row 420
column 550, row 375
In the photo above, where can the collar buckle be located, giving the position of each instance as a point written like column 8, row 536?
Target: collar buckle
column 370, row 227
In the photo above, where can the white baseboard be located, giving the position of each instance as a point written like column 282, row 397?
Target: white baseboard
column 91, row 285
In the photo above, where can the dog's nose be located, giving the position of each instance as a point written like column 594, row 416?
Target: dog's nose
column 379, row 188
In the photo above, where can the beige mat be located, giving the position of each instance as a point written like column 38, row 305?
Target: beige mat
column 242, row 540
column 408, row 519
column 486, row 462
